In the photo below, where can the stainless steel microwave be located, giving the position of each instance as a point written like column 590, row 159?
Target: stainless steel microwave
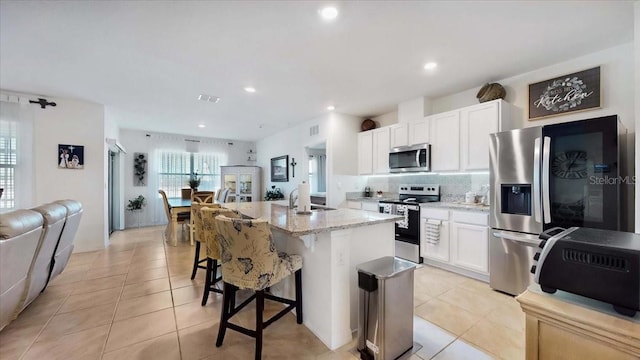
column 412, row 158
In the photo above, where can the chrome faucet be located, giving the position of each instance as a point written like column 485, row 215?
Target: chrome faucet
column 292, row 199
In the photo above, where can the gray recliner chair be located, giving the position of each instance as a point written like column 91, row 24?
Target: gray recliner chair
column 65, row 244
column 54, row 220
column 20, row 233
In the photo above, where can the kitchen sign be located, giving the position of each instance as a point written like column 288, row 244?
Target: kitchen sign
column 564, row 94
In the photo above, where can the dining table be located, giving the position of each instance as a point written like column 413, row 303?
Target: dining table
column 178, row 206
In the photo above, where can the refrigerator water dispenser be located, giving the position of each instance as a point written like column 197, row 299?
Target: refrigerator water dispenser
column 516, row 199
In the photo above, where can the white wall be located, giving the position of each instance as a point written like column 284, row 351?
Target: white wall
column 617, row 88
column 342, row 158
column 292, row 142
column 339, row 131
column 137, row 141
column 387, row 119
column 78, row 123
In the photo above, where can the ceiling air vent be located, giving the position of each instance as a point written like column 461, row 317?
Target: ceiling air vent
column 595, row 259
column 314, row 130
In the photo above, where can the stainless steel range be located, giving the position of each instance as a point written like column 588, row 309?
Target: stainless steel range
column 410, row 196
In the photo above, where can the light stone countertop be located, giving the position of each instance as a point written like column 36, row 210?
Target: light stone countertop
column 442, row 204
column 458, row 206
column 280, row 217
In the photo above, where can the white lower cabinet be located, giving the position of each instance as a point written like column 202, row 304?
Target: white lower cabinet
column 437, row 248
column 363, row 205
column 462, row 243
column 370, row 206
column 352, row 204
column 470, row 247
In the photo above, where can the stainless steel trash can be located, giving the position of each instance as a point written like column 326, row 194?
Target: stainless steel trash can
column 385, row 308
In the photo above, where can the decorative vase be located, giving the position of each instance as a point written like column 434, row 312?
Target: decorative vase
column 490, row 92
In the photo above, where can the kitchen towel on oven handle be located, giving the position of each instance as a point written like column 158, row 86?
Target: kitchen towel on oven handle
column 403, row 210
column 432, row 231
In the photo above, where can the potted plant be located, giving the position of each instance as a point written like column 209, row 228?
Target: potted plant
column 194, row 182
column 274, row 194
column 136, row 203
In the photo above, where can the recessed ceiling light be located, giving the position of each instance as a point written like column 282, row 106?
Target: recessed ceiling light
column 430, row 65
column 208, row 98
column 201, row 126
column 250, row 89
column 331, row 107
column 329, row 13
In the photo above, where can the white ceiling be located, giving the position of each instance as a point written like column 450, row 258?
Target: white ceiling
column 148, row 61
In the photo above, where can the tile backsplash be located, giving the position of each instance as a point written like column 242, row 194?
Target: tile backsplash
column 452, row 187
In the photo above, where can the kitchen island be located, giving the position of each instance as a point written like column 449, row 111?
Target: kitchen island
column 331, row 243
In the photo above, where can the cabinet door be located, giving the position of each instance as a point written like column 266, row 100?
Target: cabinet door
column 381, row 151
column 370, row 206
column 351, row 204
column 470, row 247
column 399, row 135
column 477, row 122
column 445, row 140
column 365, row 153
column 419, row 131
column 438, row 251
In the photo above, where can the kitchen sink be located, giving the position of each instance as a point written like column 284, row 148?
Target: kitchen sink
column 320, row 208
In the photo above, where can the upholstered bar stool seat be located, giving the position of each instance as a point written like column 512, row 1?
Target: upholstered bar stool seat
column 198, row 201
column 206, row 197
column 251, row 261
column 207, row 231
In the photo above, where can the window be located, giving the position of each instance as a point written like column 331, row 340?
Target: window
column 176, row 169
column 8, row 162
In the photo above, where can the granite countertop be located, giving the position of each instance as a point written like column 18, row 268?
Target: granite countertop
column 458, row 206
column 453, row 205
column 280, row 217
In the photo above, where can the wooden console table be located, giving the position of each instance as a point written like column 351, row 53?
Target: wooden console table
column 568, row 326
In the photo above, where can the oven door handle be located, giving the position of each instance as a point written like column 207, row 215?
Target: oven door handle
column 531, row 241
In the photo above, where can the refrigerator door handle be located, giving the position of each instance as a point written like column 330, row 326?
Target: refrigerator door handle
column 537, row 211
column 546, row 204
column 531, row 241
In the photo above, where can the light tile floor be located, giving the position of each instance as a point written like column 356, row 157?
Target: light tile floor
column 135, row 300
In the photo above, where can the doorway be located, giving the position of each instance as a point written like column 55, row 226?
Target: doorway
column 317, row 155
column 113, row 190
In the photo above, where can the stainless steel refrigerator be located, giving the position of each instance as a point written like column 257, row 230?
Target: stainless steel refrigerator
column 561, row 175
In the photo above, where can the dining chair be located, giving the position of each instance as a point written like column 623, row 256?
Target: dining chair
column 182, row 216
column 250, row 261
column 202, row 197
column 196, row 226
column 208, row 232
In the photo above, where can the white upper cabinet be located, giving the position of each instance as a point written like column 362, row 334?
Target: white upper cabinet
column 476, row 123
column 373, row 151
column 445, row 141
column 365, row 153
column 381, row 150
column 419, row 131
column 399, row 135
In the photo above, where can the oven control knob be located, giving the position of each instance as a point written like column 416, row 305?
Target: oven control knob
column 533, row 269
column 536, row 256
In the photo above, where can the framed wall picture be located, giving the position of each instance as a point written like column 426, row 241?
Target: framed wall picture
column 70, row 156
column 564, row 94
column 280, row 169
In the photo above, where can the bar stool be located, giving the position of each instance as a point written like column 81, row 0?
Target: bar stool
column 196, row 221
column 201, row 197
column 250, row 261
column 208, row 233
